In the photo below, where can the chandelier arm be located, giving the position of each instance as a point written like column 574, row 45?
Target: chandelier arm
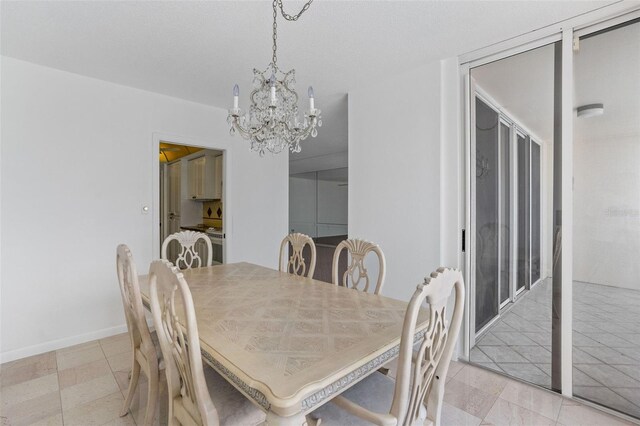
column 246, row 133
column 302, row 132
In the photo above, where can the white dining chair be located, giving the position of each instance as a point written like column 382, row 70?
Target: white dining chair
column 188, row 257
column 197, row 395
column 145, row 356
column 418, row 390
column 295, row 263
column 356, row 272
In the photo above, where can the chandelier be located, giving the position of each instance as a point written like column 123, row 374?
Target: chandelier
column 272, row 122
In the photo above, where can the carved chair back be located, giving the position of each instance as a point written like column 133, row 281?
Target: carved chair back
column 356, row 273
column 188, row 257
column 145, row 357
column 421, row 378
column 175, row 321
column 296, row 263
column 132, row 301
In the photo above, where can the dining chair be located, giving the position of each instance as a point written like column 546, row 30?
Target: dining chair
column 356, row 271
column 145, row 356
column 418, row 390
column 197, row 395
column 188, row 257
column 296, row 263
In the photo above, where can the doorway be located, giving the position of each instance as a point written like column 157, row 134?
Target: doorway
column 191, row 196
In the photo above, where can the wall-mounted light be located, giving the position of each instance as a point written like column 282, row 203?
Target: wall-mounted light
column 590, row 110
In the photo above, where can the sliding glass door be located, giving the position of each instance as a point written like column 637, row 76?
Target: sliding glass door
column 494, row 204
column 524, row 214
column 606, row 217
column 536, row 208
column 554, row 212
column 505, row 213
column 487, row 215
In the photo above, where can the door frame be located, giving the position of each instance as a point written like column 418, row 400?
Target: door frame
column 227, row 201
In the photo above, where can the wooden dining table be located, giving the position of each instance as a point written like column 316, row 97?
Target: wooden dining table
column 290, row 343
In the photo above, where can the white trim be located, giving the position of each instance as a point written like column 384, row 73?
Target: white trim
column 544, row 35
column 513, row 135
column 591, row 27
column 61, row 343
column 469, row 338
column 566, row 329
column 515, row 50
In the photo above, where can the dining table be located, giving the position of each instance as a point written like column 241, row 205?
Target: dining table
column 290, row 343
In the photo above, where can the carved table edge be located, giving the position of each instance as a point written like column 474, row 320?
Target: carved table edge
column 317, row 397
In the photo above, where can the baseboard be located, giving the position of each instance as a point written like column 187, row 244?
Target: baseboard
column 60, row 343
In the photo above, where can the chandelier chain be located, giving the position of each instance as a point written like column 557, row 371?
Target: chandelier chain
column 299, row 14
column 285, row 15
column 275, row 34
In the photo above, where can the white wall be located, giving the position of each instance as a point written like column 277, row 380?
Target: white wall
column 76, row 172
column 606, row 236
column 334, row 160
column 394, row 173
column 318, row 202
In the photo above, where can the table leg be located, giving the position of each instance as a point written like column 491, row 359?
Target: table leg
column 296, row 420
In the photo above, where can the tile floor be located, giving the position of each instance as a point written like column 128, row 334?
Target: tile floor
column 85, row 385
column 606, row 343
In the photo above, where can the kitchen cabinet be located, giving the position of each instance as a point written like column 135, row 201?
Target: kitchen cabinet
column 205, row 178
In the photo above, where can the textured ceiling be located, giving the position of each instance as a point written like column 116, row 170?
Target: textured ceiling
column 198, row 50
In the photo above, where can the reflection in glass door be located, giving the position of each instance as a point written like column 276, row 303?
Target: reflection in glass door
column 535, row 214
column 606, row 217
column 510, row 320
column 524, row 228
column 505, row 213
column 486, row 218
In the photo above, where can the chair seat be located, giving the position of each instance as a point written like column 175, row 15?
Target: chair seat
column 233, row 407
column 375, row 393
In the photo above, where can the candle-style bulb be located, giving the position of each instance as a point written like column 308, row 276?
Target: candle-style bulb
column 272, row 80
column 236, row 90
column 312, row 106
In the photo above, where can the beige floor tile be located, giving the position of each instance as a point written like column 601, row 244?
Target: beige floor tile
column 33, row 410
column 83, row 373
column 115, row 345
column 506, row 413
column 121, row 362
column 139, row 403
column 27, row 369
column 18, row 393
column 531, row 398
column 122, row 377
column 454, row 416
column 96, row 412
column 78, row 355
column 481, row 379
column 454, row 368
column 468, row 398
column 121, row 421
column 88, row 391
column 50, row 421
column 580, row 415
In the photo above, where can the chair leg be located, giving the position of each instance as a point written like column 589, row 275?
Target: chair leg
column 152, row 399
column 133, row 384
